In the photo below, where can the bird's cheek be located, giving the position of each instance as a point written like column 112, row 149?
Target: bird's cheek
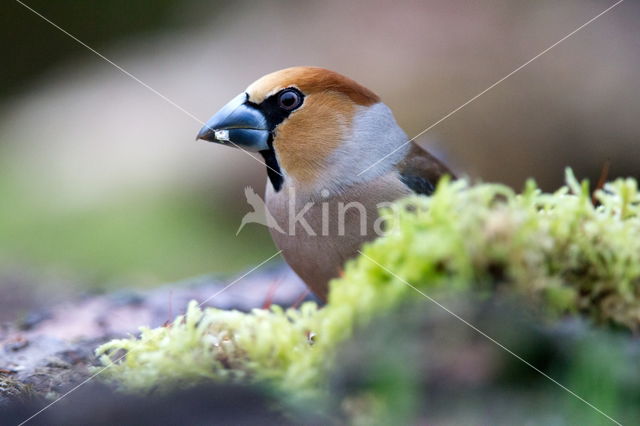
column 305, row 141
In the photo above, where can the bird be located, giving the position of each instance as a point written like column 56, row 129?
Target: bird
column 334, row 154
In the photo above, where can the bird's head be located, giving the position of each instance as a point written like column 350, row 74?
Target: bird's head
column 315, row 128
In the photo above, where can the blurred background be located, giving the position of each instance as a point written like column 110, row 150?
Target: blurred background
column 103, row 186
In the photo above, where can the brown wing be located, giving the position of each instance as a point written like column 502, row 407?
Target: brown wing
column 421, row 171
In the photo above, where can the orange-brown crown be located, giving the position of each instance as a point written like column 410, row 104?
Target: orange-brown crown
column 310, row 80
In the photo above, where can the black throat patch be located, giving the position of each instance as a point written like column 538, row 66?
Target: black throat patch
column 274, row 172
column 274, row 115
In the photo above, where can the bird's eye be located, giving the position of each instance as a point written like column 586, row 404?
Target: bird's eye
column 289, row 100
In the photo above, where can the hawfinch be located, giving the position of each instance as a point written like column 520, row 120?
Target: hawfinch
column 334, row 155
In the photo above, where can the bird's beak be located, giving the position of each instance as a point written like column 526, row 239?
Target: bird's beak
column 237, row 124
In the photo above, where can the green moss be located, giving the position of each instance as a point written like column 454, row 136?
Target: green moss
column 266, row 345
column 555, row 249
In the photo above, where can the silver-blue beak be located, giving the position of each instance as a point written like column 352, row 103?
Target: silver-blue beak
column 237, row 124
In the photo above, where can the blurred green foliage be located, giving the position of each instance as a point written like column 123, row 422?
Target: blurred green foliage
column 134, row 239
